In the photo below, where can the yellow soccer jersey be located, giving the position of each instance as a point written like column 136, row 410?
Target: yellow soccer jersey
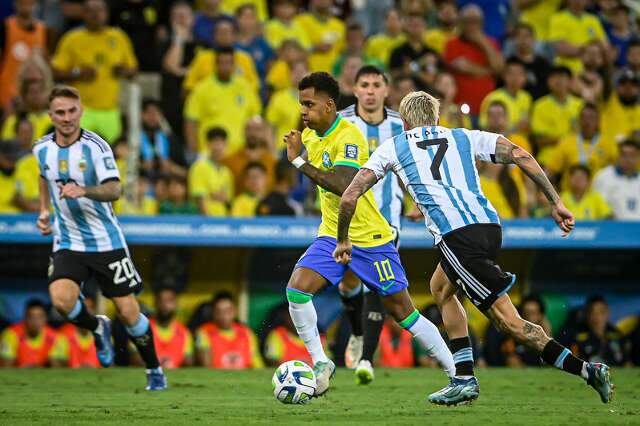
column 244, row 205
column 518, row 106
column 39, row 120
column 102, row 51
column 319, row 32
column 283, row 112
column 344, row 145
column 437, row 39
column 554, row 119
column 204, row 66
column 380, row 46
column 206, row 179
column 538, row 16
column 28, row 177
column 619, row 122
column 276, row 32
column 591, row 207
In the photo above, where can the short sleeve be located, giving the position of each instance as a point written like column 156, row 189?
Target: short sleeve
column 62, row 59
column 128, row 56
column 105, row 164
column 192, row 105
column 484, row 144
column 351, row 149
column 383, row 159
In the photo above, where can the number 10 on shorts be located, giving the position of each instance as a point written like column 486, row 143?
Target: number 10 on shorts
column 385, row 273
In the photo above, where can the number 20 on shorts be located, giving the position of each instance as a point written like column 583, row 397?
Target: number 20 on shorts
column 385, row 273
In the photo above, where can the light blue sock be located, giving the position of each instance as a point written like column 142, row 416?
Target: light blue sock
column 140, row 327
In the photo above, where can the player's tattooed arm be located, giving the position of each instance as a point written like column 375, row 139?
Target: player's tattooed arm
column 509, row 153
column 107, row 191
column 362, row 182
column 336, row 180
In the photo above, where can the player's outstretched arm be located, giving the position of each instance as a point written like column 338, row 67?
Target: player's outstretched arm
column 106, row 192
column 362, row 182
column 44, row 218
column 335, row 181
column 509, row 153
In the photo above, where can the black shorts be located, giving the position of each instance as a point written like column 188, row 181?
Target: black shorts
column 468, row 255
column 113, row 270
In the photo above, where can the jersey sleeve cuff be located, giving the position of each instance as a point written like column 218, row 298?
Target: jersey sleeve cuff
column 117, row 179
column 347, row 163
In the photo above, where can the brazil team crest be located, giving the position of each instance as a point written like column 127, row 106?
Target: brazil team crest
column 326, row 160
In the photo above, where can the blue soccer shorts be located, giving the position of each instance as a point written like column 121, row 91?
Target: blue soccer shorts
column 378, row 268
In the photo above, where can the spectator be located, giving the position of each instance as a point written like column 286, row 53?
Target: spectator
column 142, row 203
column 537, row 66
column 260, row 6
column 21, row 36
column 380, row 46
column 140, row 20
column 279, row 202
column 355, row 46
column 396, row 347
column 404, row 58
column 27, row 176
column 155, row 143
column 513, row 95
column 572, row 29
column 347, row 81
column 620, row 184
column 279, row 75
column 226, row 101
column 23, row 136
column 283, row 343
column 205, row 62
column 257, row 149
column 597, row 340
column 592, row 84
column 225, row 343
column 177, row 54
column 283, row 26
column 79, row 348
column 586, row 147
column 283, row 111
column 325, row 34
column 93, row 59
column 496, row 13
column 438, row 37
column 10, row 198
column 620, row 34
column 504, row 190
column 255, row 189
column 174, row 344
column 210, row 182
column 451, row 114
column 474, row 59
column 580, row 199
column 31, row 343
column 206, row 22
column 536, row 14
column 177, row 201
column 554, row 115
column 621, row 113
column 251, row 40
column 401, row 86
column 633, row 56
column 33, row 103
column 501, row 350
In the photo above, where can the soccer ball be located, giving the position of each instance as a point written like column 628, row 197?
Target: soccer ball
column 294, row 383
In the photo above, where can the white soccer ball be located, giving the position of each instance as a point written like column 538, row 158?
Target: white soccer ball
column 294, row 382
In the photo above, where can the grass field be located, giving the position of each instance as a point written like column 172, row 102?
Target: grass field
column 397, row 397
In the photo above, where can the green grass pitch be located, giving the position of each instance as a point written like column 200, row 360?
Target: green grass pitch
column 397, row 397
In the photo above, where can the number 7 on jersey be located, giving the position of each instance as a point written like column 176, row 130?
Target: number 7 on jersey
column 437, row 160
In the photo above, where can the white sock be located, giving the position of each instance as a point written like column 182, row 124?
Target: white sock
column 429, row 336
column 584, row 373
column 305, row 320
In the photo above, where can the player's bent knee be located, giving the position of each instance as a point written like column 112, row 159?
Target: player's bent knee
column 64, row 294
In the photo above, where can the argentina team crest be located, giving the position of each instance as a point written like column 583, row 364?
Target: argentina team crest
column 326, row 160
column 63, row 166
column 82, row 164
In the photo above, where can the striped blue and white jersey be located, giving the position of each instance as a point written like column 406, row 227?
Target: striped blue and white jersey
column 437, row 166
column 82, row 224
column 387, row 192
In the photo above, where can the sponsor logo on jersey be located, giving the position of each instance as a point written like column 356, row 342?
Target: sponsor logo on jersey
column 109, row 164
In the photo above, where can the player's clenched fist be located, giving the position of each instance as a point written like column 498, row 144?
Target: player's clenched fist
column 71, row 191
column 293, row 139
column 342, row 253
column 44, row 222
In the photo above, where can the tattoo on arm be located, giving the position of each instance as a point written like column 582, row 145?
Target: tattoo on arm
column 509, row 153
column 534, row 336
column 363, row 181
column 108, row 191
column 335, row 181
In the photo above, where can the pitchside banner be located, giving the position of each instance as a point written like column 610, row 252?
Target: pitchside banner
column 299, row 232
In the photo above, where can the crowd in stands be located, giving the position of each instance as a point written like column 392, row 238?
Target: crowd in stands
column 214, row 338
column 218, row 77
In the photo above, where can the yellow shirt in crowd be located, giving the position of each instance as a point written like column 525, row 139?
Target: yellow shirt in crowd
column 327, row 31
column 577, row 30
column 244, row 205
column 283, row 112
column 230, row 6
column 494, row 193
column 27, row 177
column 9, row 189
column 207, row 178
column 279, row 75
column 518, row 106
column 553, row 119
column 591, row 207
column 437, row 38
column 380, row 46
column 203, row 66
column 101, row 50
column 538, row 17
column 39, row 120
column 223, row 104
column 276, row 32
column 344, row 145
column 617, row 121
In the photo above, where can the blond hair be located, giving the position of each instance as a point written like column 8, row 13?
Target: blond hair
column 420, row 109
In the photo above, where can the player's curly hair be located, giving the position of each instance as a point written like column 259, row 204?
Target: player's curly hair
column 420, row 109
column 321, row 82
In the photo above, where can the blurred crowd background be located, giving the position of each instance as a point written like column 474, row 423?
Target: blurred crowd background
column 218, row 79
